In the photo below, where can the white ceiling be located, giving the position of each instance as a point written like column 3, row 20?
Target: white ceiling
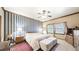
column 32, row 12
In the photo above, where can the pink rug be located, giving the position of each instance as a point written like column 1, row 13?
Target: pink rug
column 21, row 47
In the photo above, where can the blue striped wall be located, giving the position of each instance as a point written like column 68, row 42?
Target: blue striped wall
column 13, row 21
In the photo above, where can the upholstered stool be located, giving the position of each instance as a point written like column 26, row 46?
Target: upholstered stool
column 47, row 44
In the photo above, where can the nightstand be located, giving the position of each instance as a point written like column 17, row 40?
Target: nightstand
column 19, row 39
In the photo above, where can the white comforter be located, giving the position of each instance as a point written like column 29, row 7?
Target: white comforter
column 33, row 39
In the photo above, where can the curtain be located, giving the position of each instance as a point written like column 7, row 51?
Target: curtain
column 14, row 21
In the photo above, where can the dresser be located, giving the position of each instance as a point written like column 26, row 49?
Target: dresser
column 70, row 37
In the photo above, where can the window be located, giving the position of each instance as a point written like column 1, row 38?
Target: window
column 58, row 28
column 50, row 28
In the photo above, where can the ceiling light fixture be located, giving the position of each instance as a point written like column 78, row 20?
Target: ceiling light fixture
column 44, row 14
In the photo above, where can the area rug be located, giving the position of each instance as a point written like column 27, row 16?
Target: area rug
column 21, row 47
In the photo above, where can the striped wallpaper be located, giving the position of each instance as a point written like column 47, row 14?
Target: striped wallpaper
column 13, row 21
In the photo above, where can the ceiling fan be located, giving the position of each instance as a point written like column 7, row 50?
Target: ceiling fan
column 44, row 14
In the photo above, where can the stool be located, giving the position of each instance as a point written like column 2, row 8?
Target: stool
column 47, row 44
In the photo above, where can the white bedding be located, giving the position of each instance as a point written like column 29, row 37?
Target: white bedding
column 34, row 38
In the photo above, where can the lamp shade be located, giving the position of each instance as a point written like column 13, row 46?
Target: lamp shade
column 19, row 29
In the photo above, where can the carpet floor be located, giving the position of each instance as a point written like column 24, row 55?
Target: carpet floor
column 63, row 46
column 21, row 47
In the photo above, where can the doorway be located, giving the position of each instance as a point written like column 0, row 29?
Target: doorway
column 0, row 28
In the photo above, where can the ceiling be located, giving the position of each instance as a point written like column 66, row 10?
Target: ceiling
column 32, row 12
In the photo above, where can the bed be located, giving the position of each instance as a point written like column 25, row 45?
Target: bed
column 34, row 39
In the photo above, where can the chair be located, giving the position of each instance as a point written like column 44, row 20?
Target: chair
column 4, row 46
